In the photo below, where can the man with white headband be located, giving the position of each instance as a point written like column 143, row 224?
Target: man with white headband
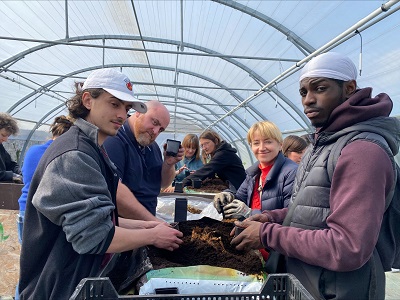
column 71, row 223
column 334, row 237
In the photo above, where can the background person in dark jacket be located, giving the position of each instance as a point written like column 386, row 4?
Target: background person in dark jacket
column 268, row 184
column 223, row 161
column 331, row 241
column 9, row 169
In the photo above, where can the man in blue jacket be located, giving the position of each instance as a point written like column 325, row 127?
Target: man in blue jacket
column 139, row 161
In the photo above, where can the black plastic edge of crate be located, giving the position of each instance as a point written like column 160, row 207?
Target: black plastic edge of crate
column 277, row 286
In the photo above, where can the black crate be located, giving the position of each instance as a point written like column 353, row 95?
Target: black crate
column 277, row 286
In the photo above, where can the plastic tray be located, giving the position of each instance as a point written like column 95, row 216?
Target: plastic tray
column 277, row 286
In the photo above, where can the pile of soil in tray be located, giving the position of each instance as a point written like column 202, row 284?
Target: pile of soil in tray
column 206, row 242
column 212, row 185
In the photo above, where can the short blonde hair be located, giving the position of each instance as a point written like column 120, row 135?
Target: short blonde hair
column 266, row 129
column 192, row 141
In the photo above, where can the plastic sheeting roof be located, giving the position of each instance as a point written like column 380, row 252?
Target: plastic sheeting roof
column 219, row 64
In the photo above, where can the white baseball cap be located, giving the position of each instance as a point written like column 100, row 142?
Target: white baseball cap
column 116, row 83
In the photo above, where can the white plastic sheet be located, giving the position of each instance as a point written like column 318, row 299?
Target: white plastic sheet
column 192, row 286
column 166, row 208
column 201, row 279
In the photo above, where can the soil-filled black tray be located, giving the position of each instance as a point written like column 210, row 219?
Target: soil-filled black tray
column 210, row 185
column 206, row 242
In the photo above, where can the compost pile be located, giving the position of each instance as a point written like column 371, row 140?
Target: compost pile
column 212, row 185
column 206, row 242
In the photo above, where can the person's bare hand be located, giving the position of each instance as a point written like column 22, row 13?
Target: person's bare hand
column 237, row 224
column 172, row 160
column 249, row 238
column 169, row 189
column 166, row 237
column 152, row 224
column 17, row 178
column 263, row 218
column 181, row 169
column 257, row 218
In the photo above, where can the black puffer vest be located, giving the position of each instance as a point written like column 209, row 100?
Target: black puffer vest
column 312, row 194
column 312, row 184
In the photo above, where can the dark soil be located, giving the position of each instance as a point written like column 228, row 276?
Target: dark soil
column 212, row 185
column 206, row 242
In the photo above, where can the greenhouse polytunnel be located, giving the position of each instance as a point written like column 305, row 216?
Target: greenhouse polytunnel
column 215, row 64
column 98, row 205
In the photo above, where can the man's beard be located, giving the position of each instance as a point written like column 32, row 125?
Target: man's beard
column 144, row 139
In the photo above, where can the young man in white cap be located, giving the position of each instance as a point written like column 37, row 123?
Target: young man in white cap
column 329, row 236
column 71, row 220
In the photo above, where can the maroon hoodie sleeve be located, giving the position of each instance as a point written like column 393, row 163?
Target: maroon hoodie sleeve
column 276, row 215
column 362, row 178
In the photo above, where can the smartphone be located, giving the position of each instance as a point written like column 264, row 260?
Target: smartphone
column 172, row 147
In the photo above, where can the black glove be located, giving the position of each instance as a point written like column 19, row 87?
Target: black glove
column 221, row 199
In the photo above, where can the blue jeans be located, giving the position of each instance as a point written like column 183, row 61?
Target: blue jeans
column 20, row 226
column 16, row 292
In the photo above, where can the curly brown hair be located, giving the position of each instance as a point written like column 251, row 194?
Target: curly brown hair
column 8, row 123
column 75, row 106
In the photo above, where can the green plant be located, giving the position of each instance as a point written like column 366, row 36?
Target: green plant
column 2, row 236
column 17, row 150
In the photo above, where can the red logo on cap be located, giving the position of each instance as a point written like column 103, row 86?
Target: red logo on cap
column 129, row 85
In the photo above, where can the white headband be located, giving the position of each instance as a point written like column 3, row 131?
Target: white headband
column 330, row 65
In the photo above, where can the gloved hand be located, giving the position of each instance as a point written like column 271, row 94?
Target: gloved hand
column 236, row 209
column 221, row 199
column 17, row 178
